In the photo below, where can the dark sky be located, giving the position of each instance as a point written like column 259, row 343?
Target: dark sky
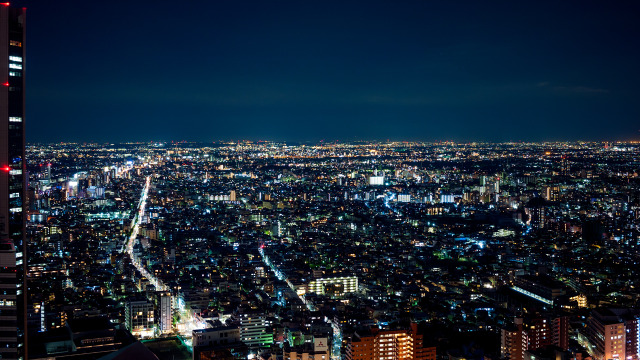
column 205, row 70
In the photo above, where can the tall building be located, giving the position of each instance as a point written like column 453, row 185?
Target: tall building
column 164, row 312
column 533, row 333
column 548, row 331
column 254, row 331
column 613, row 334
column 139, row 318
column 389, row 344
column 13, row 245
column 513, row 341
column 535, row 209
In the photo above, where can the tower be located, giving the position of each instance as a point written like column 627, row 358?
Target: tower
column 13, row 263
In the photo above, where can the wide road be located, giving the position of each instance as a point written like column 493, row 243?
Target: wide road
column 186, row 323
column 135, row 227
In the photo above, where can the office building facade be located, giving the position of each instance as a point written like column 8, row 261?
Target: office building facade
column 139, row 318
column 13, row 262
column 254, row 331
column 164, row 312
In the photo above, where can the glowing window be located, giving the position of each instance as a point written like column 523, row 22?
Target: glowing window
column 15, row 43
column 15, row 66
column 15, row 58
column 15, row 119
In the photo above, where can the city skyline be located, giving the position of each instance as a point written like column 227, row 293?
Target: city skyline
column 311, row 71
column 336, row 251
column 409, row 184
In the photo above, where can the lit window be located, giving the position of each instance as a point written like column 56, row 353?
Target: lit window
column 15, row 172
column 15, row 43
column 15, row 58
column 15, row 209
column 15, row 66
column 15, row 119
column 15, row 73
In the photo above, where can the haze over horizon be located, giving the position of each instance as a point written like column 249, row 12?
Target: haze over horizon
column 428, row 71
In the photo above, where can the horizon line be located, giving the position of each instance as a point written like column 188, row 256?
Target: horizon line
column 334, row 141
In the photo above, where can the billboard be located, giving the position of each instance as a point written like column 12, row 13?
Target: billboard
column 320, row 344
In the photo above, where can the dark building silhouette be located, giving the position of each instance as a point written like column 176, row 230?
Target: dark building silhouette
column 13, row 263
column 535, row 209
column 593, row 232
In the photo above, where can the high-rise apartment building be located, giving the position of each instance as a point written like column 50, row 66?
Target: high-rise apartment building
column 13, row 262
column 613, row 334
column 513, row 341
column 389, row 344
column 533, row 333
column 548, row 331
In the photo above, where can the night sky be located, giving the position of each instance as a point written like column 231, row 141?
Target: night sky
column 205, row 70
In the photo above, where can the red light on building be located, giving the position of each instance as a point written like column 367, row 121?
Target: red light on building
column 5, row 4
column 6, row 84
column 6, row 168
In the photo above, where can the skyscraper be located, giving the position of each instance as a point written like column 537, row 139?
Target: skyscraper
column 13, row 262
